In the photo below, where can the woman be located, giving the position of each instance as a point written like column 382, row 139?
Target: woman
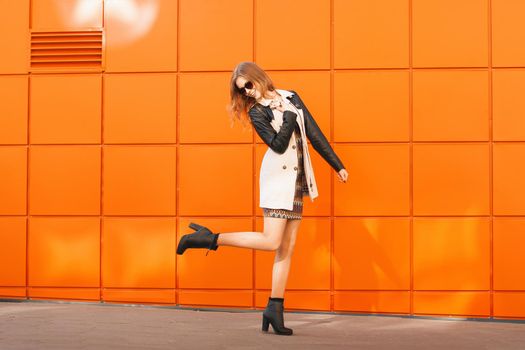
column 283, row 122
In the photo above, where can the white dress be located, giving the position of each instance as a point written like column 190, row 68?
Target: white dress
column 301, row 187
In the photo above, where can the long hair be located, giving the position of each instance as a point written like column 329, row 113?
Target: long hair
column 241, row 103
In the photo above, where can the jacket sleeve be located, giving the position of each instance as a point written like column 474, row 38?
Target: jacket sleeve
column 277, row 141
column 317, row 138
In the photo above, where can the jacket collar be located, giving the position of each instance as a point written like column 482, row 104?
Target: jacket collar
column 283, row 93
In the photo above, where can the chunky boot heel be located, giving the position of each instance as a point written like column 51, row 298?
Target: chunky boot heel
column 201, row 238
column 273, row 314
column 265, row 324
column 196, row 227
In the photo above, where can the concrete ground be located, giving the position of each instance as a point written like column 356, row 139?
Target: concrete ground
column 76, row 325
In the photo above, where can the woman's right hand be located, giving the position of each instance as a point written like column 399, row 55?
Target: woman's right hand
column 278, row 105
column 281, row 108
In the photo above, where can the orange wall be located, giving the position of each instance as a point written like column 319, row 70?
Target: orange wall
column 102, row 168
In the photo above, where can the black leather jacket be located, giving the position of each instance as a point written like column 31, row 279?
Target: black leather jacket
column 261, row 116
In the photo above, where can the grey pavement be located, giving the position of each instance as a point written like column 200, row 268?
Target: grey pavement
column 39, row 324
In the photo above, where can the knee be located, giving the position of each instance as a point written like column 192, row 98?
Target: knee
column 286, row 248
column 274, row 245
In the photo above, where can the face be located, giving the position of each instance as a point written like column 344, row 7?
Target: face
column 249, row 87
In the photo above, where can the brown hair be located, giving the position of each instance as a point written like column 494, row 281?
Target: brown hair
column 241, row 103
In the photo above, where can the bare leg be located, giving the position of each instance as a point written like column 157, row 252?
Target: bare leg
column 270, row 239
column 283, row 259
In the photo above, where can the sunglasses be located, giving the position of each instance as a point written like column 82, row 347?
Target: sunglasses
column 248, row 85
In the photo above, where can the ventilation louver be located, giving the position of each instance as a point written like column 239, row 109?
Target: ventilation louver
column 71, row 50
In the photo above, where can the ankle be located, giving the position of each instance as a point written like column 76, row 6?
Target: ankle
column 277, row 298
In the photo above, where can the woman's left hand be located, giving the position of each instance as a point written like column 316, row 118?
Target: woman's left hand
column 343, row 175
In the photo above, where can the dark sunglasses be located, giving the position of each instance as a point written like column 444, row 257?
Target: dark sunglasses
column 248, row 85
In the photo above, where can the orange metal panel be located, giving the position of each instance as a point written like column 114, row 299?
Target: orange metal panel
column 448, row 33
column 65, row 108
column 371, row 33
column 474, row 304
column 215, row 35
column 64, row 180
column 140, row 108
column 14, row 293
column 509, row 240
column 375, row 302
column 508, row 33
column 66, row 14
column 141, row 35
column 215, row 180
column 13, row 180
column 378, row 180
column 69, row 294
column 451, row 254
column 371, row 106
column 451, row 179
column 138, row 252
column 509, row 179
column 14, row 40
column 371, row 253
column 139, row 180
column 508, row 104
column 305, row 41
column 217, row 298
column 146, row 296
column 12, row 252
column 13, row 115
column 509, row 304
column 451, row 105
column 64, row 252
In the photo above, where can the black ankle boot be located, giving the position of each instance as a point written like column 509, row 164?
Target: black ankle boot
column 274, row 314
column 201, row 238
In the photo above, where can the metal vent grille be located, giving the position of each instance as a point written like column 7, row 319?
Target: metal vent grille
column 71, row 50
